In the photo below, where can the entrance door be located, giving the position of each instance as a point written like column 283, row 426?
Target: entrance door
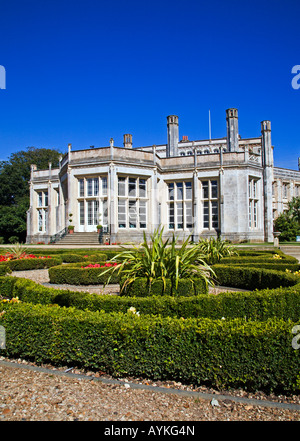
column 88, row 215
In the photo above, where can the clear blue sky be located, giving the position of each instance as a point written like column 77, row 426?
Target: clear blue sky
column 82, row 72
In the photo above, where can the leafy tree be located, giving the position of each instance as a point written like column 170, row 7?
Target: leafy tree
column 288, row 222
column 14, row 188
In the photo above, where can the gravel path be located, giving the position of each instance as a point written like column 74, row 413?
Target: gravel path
column 30, row 393
column 42, row 277
column 55, row 395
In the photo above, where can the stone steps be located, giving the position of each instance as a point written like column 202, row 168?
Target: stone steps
column 79, row 239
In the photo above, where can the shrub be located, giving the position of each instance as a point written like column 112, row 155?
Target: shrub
column 13, row 239
column 16, row 251
column 258, row 260
column 74, row 258
column 140, row 287
column 258, row 305
column 218, row 353
column 161, row 261
column 252, row 278
column 4, row 268
column 215, row 249
column 31, row 264
column 75, row 275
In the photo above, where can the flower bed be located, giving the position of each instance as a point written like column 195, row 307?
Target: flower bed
column 100, row 265
column 8, row 257
column 28, row 262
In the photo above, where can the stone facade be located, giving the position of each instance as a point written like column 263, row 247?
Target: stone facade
column 227, row 186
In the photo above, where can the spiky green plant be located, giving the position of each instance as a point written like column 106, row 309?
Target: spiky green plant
column 215, row 249
column 16, row 251
column 162, row 260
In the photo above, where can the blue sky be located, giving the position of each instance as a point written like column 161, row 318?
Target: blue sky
column 81, row 72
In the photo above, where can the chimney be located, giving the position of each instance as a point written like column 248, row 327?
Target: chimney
column 173, row 135
column 127, row 141
column 232, row 130
column 185, row 138
column 267, row 151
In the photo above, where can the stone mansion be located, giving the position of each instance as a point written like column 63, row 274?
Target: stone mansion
column 227, row 186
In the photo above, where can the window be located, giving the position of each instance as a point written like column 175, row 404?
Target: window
column 42, row 220
column 142, row 188
column 132, row 202
column 105, row 212
column 90, row 187
column 104, row 186
column 42, row 199
column 81, row 212
column 205, row 189
column 171, row 191
column 122, row 213
column 142, row 214
column 57, row 197
column 132, row 214
column 214, row 189
column 121, row 186
column 94, row 189
column 40, row 215
column 180, row 205
column 253, row 203
column 210, row 204
column 81, row 188
column 132, row 187
column 171, row 216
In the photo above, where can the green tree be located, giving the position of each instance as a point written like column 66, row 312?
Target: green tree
column 14, row 188
column 288, row 222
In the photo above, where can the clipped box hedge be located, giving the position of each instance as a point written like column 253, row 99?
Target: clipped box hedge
column 278, row 266
column 283, row 303
column 252, row 278
column 140, row 288
column 258, row 260
column 4, row 269
column 218, row 353
column 73, row 274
